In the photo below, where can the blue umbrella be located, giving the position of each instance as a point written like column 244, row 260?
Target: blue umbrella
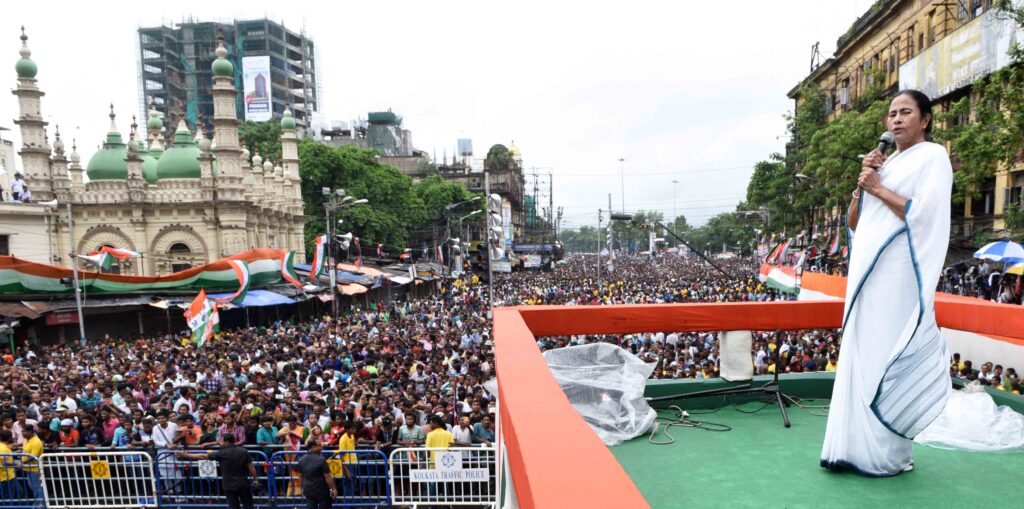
column 1002, row 251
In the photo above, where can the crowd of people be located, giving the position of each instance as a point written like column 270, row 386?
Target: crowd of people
column 983, row 280
column 380, row 377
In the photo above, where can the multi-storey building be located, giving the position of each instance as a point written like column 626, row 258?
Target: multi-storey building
column 275, row 67
column 940, row 48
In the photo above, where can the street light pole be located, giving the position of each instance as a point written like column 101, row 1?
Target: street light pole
column 74, row 271
column 328, row 199
column 622, row 178
column 674, row 213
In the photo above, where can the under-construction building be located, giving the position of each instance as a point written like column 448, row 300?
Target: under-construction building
column 276, row 67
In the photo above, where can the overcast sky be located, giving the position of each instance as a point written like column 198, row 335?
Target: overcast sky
column 691, row 91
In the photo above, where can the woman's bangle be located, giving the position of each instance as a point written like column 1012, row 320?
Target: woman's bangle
column 855, row 194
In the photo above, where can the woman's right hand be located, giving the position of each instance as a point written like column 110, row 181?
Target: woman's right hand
column 873, row 160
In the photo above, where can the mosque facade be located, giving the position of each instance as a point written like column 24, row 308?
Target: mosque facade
column 179, row 198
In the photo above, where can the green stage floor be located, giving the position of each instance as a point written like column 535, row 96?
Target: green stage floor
column 763, row 465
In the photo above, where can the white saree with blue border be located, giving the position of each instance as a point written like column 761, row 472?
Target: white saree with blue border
column 892, row 379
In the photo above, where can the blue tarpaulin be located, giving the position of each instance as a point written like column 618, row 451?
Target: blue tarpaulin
column 257, row 298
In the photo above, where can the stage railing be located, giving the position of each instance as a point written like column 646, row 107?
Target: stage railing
column 456, row 476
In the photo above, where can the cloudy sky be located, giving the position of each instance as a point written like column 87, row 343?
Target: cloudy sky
column 687, row 91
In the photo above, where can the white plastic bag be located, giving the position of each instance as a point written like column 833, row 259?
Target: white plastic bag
column 971, row 421
column 606, row 386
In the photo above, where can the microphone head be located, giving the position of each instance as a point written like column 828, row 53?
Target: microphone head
column 887, row 138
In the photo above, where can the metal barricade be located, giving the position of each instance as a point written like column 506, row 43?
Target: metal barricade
column 98, row 480
column 197, row 483
column 20, row 482
column 361, row 477
column 444, row 477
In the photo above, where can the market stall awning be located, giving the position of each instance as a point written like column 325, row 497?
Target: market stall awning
column 17, row 309
column 352, row 289
column 257, row 298
column 401, row 280
column 367, row 271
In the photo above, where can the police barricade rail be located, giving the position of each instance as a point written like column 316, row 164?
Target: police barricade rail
column 20, row 485
column 98, row 480
column 198, row 483
column 361, row 477
column 446, row 477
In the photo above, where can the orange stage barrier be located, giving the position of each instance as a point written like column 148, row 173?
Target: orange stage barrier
column 555, row 459
column 1004, row 322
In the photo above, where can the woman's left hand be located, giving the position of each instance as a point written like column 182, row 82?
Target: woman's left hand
column 869, row 180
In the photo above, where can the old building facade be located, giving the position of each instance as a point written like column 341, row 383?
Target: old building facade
column 937, row 47
column 180, row 200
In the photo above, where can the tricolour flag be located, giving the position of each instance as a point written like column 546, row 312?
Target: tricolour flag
column 778, row 254
column 406, row 254
column 780, row 278
column 834, row 248
column 288, row 269
column 440, row 255
column 106, row 256
column 319, row 258
column 202, row 317
column 241, row 269
column 380, row 250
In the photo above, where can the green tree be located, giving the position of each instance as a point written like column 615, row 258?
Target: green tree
column 436, row 193
column 262, row 137
column 581, row 240
column 393, row 209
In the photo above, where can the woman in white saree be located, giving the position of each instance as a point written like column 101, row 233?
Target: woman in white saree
column 892, row 379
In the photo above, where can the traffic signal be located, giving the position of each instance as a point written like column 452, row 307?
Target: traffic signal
column 495, row 228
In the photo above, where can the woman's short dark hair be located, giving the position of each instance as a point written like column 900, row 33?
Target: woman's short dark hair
column 924, row 105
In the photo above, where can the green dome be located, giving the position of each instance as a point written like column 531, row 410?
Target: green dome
column 26, row 68
column 288, row 121
column 221, row 66
column 154, row 123
column 108, row 163
column 149, row 168
column 181, row 160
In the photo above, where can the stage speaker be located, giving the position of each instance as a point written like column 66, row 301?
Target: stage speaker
column 735, row 357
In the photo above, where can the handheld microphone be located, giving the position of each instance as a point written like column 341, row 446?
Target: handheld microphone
column 885, row 141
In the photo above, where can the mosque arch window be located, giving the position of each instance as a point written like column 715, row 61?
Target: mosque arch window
column 179, row 252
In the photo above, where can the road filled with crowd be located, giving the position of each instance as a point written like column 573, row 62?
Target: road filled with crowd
column 381, row 377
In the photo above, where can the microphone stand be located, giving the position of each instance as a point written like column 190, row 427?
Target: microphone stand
column 771, row 388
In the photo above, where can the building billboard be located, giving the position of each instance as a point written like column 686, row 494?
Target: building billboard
column 465, row 146
column 256, row 78
column 972, row 51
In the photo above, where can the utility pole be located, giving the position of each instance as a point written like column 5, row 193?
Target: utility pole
column 551, row 207
column 74, row 271
column 331, row 266
column 490, row 258
column 598, row 252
